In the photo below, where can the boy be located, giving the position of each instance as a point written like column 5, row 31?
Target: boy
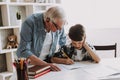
column 78, row 50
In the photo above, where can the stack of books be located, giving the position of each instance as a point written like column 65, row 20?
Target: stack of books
column 37, row 71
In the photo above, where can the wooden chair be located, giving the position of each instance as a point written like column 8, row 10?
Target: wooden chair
column 107, row 47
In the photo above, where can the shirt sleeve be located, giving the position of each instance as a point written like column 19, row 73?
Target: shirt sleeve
column 86, row 54
column 24, row 49
column 62, row 40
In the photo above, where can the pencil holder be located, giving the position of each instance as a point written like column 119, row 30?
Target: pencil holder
column 21, row 69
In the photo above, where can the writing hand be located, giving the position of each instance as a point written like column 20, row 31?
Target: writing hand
column 69, row 61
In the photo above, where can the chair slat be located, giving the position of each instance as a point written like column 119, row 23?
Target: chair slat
column 107, row 47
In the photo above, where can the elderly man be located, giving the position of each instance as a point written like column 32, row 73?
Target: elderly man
column 40, row 33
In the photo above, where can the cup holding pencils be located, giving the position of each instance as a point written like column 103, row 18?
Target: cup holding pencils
column 21, row 69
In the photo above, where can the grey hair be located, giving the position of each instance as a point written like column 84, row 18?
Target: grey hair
column 54, row 12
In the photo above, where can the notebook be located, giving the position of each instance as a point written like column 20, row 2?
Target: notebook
column 37, row 69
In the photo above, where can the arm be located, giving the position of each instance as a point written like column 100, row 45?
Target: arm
column 91, row 53
column 62, row 60
column 36, row 61
column 24, row 49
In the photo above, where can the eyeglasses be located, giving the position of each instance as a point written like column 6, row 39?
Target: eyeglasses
column 56, row 26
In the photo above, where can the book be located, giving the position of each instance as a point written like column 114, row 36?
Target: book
column 37, row 69
column 39, row 74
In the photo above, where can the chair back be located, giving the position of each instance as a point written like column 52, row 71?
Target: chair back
column 107, row 47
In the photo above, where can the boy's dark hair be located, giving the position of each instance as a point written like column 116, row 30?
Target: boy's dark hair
column 76, row 32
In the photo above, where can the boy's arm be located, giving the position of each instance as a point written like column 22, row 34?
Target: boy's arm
column 91, row 53
column 62, row 60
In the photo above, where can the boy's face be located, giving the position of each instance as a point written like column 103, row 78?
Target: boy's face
column 78, row 44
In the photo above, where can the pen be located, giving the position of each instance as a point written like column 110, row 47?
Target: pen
column 65, row 54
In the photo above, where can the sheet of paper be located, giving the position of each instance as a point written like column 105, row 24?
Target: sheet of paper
column 114, row 66
column 112, row 77
column 76, row 65
column 100, row 71
column 112, row 63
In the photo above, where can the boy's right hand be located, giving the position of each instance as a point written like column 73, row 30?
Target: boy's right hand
column 69, row 61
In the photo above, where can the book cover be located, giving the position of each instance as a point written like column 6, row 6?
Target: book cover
column 39, row 74
column 37, row 69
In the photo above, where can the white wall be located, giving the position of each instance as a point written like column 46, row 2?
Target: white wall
column 93, row 13
column 104, row 36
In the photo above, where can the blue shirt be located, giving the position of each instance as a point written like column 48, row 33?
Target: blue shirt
column 33, row 34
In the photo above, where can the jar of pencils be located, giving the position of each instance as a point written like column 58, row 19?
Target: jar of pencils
column 21, row 69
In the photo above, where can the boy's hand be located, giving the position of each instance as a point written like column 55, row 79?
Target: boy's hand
column 69, row 61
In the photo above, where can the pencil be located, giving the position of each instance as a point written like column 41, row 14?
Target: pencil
column 21, row 63
column 65, row 54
